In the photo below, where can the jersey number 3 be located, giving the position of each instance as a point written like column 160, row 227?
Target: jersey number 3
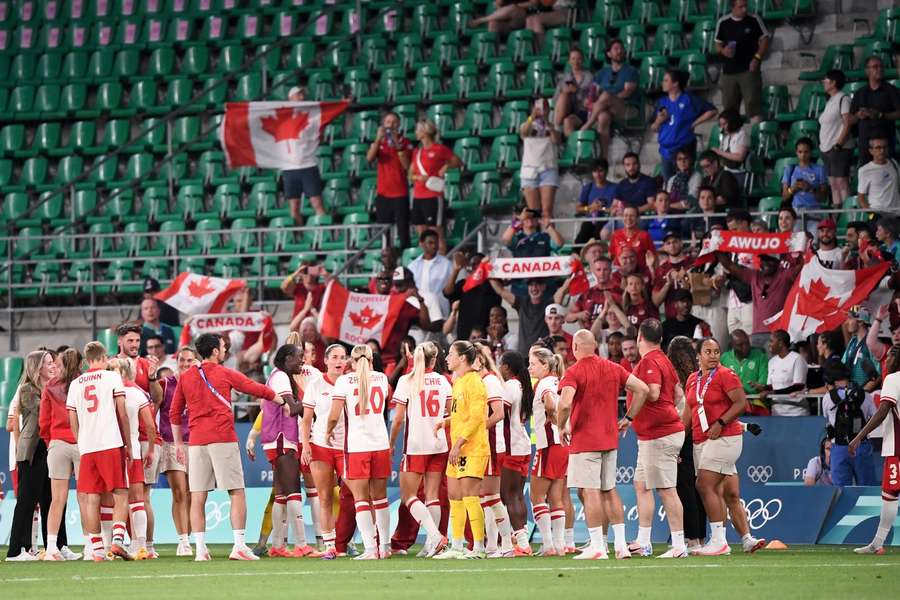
column 431, row 406
column 90, row 396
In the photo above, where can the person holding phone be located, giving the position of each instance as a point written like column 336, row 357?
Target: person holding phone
column 742, row 40
column 575, row 93
column 391, row 152
column 306, row 289
column 540, row 169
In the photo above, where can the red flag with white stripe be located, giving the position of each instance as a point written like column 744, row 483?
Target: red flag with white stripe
column 195, row 294
column 275, row 135
column 353, row 318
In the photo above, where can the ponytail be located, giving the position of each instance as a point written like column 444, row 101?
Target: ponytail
column 553, row 362
column 486, row 357
column 424, row 356
column 362, row 357
column 518, row 368
column 71, row 367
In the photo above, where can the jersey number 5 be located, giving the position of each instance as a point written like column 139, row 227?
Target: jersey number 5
column 431, row 407
column 376, row 400
column 90, row 397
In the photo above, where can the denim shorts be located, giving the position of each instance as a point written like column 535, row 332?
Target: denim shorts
column 547, row 178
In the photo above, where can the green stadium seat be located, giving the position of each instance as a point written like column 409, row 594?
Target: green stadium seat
column 107, row 99
column 15, row 207
column 27, row 242
column 408, row 52
column 799, row 129
column 477, row 119
column 227, row 267
column 6, row 171
column 512, row 115
column 127, row 63
column 809, row 105
column 161, row 63
column 480, row 49
column 695, row 66
column 642, row 13
column 592, row 41
column 48, row 66
column 120, row 278
column 608, row 11
column 883, row 50
column 651, row 73
column 73, row 99
column 444, row 49
column 634, row 37
column 836, row 56
column 358, row 236
column 169, row 239
column 556, row 44
column 23, row 68
column 485, row 191
column 580, row 149
column 765, row 139
column 194, row 61
column 464, row 84
column 771, row 204
column 775, row 99
column 519, row 48
column 249, row 87
column 120, row 206
column 20, row 102
column 33, row 175
column 12, row 139
column 365, row 197
column 67, row 170
column 143, row 97
column 180, row 31
column 425, row 20
column 11, row 368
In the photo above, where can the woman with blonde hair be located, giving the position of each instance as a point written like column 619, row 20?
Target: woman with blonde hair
column 427, row 169
column 361, row 396
column 422, row 400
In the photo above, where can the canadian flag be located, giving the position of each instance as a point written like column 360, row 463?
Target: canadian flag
column 275, row 135
column 821, row 298
column 353, row 318
column 197, row 294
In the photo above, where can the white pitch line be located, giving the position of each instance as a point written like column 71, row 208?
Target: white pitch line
column 428, row 571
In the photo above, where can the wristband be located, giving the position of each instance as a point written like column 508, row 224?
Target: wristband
column 720, row 422
column 630, row 418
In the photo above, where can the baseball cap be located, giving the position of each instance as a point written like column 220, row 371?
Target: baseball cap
column 862, row 313
column 295, row 90
column 151, row 285
column 402, row 274
column 827, row 224
column 554, row 310
column 670, row 234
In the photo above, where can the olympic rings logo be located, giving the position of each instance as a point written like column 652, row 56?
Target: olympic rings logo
column 2, row 477
column 216, row 513
column 759, row 513
column 759, row 473
column 624, row 474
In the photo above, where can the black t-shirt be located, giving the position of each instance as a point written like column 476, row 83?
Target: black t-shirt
column 672, row 328
column 474, row 307
column 532, row 326
column 745, row 35
column 885, row 99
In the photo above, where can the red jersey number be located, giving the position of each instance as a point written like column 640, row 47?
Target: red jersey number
column 431, row 406
column 376, row 401
column 90, row 397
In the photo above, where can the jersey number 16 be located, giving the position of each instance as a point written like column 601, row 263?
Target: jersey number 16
column 431, row 406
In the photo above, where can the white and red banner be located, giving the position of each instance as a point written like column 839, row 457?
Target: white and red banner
column 275, row 135
column 196, row 294
column 821, row 298
column 246, row 322
column 353, row 318
column 751, row 243
column 527, row 268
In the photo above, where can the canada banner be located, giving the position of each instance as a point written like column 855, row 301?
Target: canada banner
column 275, row 135
column 247, row 322
column 195, row 294
column 821, row 298
column 354, row 318
column 527, row 268
column 751, row 243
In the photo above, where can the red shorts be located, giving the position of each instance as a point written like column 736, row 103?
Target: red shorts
column 374, row 464
column 890, row 478
column 102, row 471
column 551, row 462
column 272, row 454
column 517, row 464
column 424, row 463
column 495, row 462
column 136, row 471
column 330, row 456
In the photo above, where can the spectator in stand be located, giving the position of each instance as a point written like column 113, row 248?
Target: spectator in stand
column 533, row 14
column 879, row 179
column 574, row 94
column 596, row 201
column 612, row 319
column 630, row 354
column 590, row 252
column 826, row 247
column 677, row 114
column 671, row 275
column 168, row 314
column 390, row 260
column 804, row 183
column 304, row 287
column 684, row 323
column 858, row 238
column 612, row 348
column 787, row 218
column 428, row 166
column 734, row 144
column 759, row 225
column 787, row 375
column 539, row 172
column 544, row 14
column 472, row 308
column 555, row 316
column 865, row 371
column 740, row 297
column 637, row 189
column 818, row 469
column 658, row 226
column 879, row 345
column 874, row 109
column 887, row 232
column 314, row 347
column 391, row 152
column 697, row 227
column 151, row 325
column 525, row 238
column 632, row 236
column 742, row 39
column 498, row 332
column 636, row 301
column 156, row 346
column 590, row 304
column 628, row 264
column 531, row 309
column 414, row 311
column 725, row 184
column 617, row 84
column 248, row 346
column 769, row 286
column 752, row 366
column 304, row 179
column 431, row 272
column 684, row 185
column 835, row 137
column 709, row 297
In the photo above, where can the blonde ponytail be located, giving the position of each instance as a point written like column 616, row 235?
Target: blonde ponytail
column 362, row 357
column 423, row 357
column 559, row 365
column 486, row 357
column 554, row 362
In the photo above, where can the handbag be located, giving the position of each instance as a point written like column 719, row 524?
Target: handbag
column 433, row 183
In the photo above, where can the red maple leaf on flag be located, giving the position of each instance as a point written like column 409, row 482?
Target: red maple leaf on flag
column 198, row 289
column 815, row 302
column 366, row 318
column 285, row 124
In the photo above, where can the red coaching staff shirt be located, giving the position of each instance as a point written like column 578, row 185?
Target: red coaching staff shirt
column 392, row 177
column 657, row 419
column 594, row 418
column 210, row 416
column 711, row 392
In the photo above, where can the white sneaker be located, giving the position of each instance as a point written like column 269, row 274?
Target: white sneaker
column 242, row 553
column 53, row 556
column 68, row 554
column 591, row 554
column 24, row 556
column 373, row 555
column 636, row 549
column 448, row 554
column 673, row 553
column 184, row 549
column 472, row 554
column 753, row 544
column 711, row 549
column 203, row 556
column 867, row 549
column 502, row 554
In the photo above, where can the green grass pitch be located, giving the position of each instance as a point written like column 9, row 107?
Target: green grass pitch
column 800, row 572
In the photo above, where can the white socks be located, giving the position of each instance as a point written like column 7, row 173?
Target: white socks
column 138, row 524
column 279, row 522
column 434, row 509
column 678, row 541
column 383, row 522
column 542, row 520
column 885, row 522
column 421, row 514
column 619, row 532
column 490, row 525
column 200, row 542
column 717, row 532
column 106, row 523
column 312, row 496
column 366, row 525
column 521, row 537
column 570, row 537
column 558, row 526
column 239, row 537
column 295, row 517
column 643, row 537
column 597, row 542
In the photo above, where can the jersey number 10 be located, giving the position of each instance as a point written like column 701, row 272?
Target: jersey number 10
column 376, row 400
column 431, row 407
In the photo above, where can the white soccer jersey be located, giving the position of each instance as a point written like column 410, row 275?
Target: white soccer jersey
column 92, row 397
column 363, row 432
column 518, row 442
column 317, row 396
column 545, row 394
column 424, row 412
column 494, row 388
column 135, row 400
column 309, row 373
column 890, row 392
column 280, row 383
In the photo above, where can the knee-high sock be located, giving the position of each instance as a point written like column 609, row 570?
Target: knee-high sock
column 490, row 524
column 118, row 533
column 312, row 497
column 541, row 513
column 457, row 523
column 434, row 509
column 886, row 521
column 423, row 516
column 96, row 541
column 265, row 528
column 106, row 523
column 138, row 524
column 365, row 522
column 382, row 521
column 476, row 519
column 501, row 518
column 279, row 524
column 558, row 528
column 295, row 518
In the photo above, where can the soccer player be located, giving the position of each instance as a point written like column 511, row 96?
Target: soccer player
column 325, row 459
column 551, row 458
column 715, row 400
column 660, row 434
column 422, row 400
column 213, row 453
column 496, row 517
column 518, row 397
column 589, row 391
column 469, row 453
column 97, row 416
column 280, row 438
column 890, row 450
column 137, row 406
column 360, row 397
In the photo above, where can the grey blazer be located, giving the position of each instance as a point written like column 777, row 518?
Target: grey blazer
column 29, row 406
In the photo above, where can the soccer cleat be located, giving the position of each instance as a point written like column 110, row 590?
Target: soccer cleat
column 68, row 554
column 624, row 554
column 142, row 554
column 98, row 557
column 517, row 551
column 184, row 549
column 51, row 556
column 242, row 553
column 694, row 550
column 202, row 556
column 433, row 547
column 328, row 554
column 373, row 555
column 301, row 551
column 399, row 551
column 472, row 555
column 385, row 553
column 672, row 553
column 571, row 550
column 548, row 551
column 120, row 552
column 281, row 552
column 637, row 549
column 448, row 554
column 714, row 550
column 502, row 554
column 753, row 544
column 867, row 549
column 152, row 554
column 423, row 553
column 591, row 554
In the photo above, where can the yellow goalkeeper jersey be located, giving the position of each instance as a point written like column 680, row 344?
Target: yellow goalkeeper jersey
column 468, row 415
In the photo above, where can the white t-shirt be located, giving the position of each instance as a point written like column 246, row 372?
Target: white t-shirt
column 890, row 392
column 519, row 442
column 785, row 372
column 363, row 432
column 731, row 143
column 317, row 396
column 13, row 410
column 494, row 388
column 545, row 394
column 831, row 259
column 308, row 373
column 135, row 400
column 92, row 397
column 830, row 121
column 880, row 184
column 424, row 413
column 538, row 155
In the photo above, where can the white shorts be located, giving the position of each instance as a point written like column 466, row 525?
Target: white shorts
column 63, row 460
column 657, row 461
column 168, row 459
column 151, row 473
column 592, row 470
column 719, row 455
column 215, row 466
